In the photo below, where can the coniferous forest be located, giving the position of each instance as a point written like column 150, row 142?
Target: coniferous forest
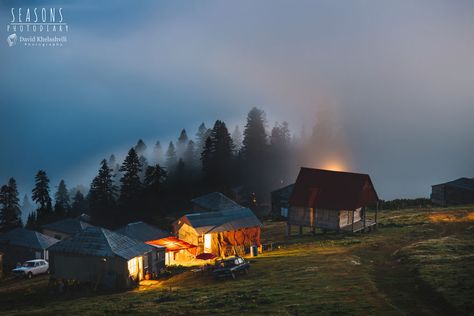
column 156, row 182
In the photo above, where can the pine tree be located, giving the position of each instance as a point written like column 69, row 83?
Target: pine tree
column 44, row 212
column 201, row 136
column 130, row 182
column 154, row 178
column 280, row 141
column 189, row 155
column 114, row 166
column 31, row 222
column 140, row 148
column 79, row 205
column 255, row 152
column 101, row 196
column 181, row 144
column 237, row 138
column 10, row 213
column 62, row 201
column 157, row 153
column 26, row 206
column 171, row 158
column 206, row 156
column 218, row 156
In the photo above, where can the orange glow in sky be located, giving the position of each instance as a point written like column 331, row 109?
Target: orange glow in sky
column 334, row 165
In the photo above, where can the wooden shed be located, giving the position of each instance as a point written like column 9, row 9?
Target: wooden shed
column 331, row 200
column 457, row 192
column 222, row 233
column 100, row 257
column 20, row 245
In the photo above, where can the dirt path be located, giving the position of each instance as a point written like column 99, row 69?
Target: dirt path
column 401, row 286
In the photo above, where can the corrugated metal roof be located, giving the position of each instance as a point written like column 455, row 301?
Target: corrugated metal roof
column 215, row 201
column 27, row 238
column 69, row 226
column 142, row 231
column 224, row 220
column 463, row 183
column 332, row 190
column 101, row 242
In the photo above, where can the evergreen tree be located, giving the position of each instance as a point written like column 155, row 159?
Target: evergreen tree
column 44, row 212
column 101, row 195
column 10, row 213
column 157, row 153
column 181, row 144
column 114, row 166
column 255, row 152
column 280, row 141
column 154, row 177
column 201, row 136
column 79, row 205
column 171, row 158
column 189, row 155
column 31, row 222
column 131, row 185
column 206, row 156
column 140, row 148
column 62, row 201
column 26, row 206
column 218, row 156
column 237, row 138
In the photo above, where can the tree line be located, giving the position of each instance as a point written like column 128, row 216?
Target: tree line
column 156, row 184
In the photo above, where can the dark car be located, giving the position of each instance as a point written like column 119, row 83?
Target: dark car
column 230, row 267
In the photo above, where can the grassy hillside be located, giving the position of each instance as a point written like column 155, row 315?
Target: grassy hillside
column 417, row 262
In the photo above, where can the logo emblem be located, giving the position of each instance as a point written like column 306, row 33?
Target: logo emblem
column 11, row 39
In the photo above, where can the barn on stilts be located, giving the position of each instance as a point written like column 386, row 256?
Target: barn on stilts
column 331, row 200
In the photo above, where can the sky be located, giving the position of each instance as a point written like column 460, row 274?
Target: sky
column 396, row 78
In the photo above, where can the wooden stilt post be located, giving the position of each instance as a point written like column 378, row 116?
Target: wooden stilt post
column 364, row 210
column 301, row 230
column 353, row 213
column 288, row 229
column 376, row 211
column 313, row 230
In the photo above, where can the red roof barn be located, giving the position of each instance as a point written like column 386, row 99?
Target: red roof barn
column 331, row 200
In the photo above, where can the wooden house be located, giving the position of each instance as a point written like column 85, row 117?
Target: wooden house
column 20, row 245
column 64, row 228
column 100, row 257
column 331, row 200
column 222, row 233
column 457, row 192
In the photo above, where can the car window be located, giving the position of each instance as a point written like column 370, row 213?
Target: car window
column 29, row 264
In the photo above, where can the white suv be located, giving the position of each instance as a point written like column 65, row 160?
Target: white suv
column 31, row 268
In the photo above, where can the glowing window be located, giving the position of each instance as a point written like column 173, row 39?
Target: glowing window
column 207, row 242
column 132, row 266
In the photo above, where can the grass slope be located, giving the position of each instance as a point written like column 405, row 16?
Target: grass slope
column 413, row 264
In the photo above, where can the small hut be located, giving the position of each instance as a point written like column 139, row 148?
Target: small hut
column 20, row 245
column 280, row 199
column 222, row 233
column 64, row 228
column 331, row 200
column 100, row 257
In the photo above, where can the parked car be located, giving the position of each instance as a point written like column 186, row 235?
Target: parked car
column 230, row 267
column 31, row 268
